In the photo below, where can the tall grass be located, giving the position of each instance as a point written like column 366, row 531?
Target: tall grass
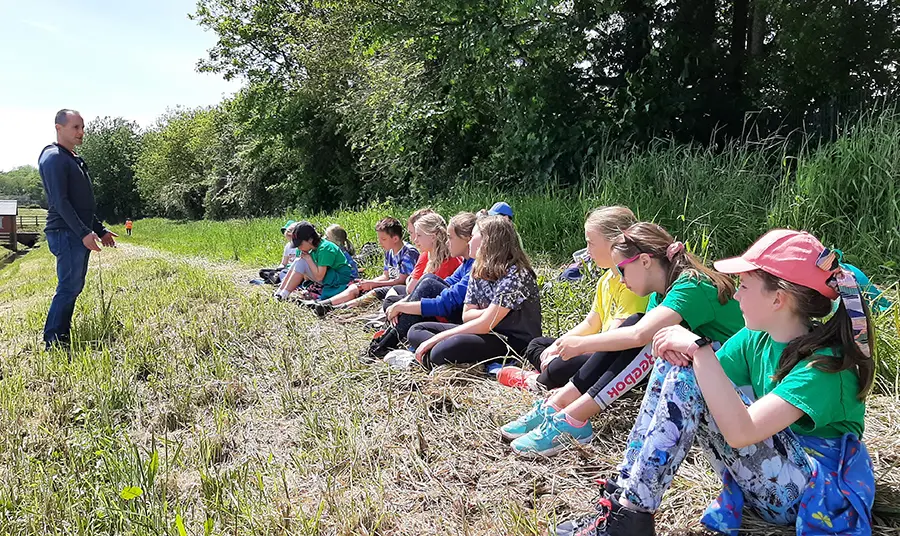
column 846, row 193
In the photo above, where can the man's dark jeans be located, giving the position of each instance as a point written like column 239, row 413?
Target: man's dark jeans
column 71, row 269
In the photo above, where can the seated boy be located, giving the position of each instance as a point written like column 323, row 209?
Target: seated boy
column 399, row 260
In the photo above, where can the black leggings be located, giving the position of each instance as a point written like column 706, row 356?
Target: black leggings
column 464, row 347
column 429, row 286
column 559, row 372
column 608, row 375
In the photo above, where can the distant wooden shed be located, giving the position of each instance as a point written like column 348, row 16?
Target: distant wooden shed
column 9, row 209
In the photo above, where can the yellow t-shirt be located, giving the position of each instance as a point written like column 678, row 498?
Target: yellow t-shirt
column 614, row 301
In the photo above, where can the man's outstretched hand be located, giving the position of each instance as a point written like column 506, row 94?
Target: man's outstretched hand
column 90, row 241
column 109, row 239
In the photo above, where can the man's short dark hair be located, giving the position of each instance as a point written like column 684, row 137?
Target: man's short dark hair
column 390, row 226
column 62, row 116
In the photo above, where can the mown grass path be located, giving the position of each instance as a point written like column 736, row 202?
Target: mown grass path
column 194, row 399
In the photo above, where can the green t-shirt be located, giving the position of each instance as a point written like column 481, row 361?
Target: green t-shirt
column 829, row 399
column 330, row 255
column 697, row 301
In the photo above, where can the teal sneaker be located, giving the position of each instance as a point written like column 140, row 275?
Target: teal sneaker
column 540, row 412
column 547, row 439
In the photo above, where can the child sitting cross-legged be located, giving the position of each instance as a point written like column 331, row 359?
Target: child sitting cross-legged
column 319, row 262
column 502, row 311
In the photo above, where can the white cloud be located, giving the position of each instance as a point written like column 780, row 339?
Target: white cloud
column 23, row 134
column 49, row 28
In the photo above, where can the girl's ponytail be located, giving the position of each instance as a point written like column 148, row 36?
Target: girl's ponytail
column 849, row 329
column 650, row 238
column 336, row 234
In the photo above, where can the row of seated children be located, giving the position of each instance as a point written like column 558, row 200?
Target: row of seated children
column 769, row 378
column 431, row 255
column 772, row 393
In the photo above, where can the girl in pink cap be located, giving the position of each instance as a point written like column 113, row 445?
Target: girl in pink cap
column 778, row 410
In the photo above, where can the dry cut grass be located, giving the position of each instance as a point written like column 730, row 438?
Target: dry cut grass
column 193, row 400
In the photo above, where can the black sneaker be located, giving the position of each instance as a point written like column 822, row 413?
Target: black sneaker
column 323, row 309
column 612, row 519
column 382, row 345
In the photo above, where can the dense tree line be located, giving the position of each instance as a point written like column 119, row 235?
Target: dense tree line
column 351, row 100
column 24, row 185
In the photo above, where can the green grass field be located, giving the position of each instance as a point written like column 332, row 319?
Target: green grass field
column 194, row 400
column 33, row 219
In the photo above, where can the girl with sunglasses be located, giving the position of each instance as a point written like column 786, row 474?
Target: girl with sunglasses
column 682, row 291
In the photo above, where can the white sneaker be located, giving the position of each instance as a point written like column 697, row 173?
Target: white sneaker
column 400, row 359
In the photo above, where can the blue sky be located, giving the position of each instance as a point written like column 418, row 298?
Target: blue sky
column 129, row 58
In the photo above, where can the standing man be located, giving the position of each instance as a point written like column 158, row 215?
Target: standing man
column 72, row 227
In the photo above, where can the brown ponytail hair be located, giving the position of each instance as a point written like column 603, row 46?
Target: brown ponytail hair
column 336, row 234
column 500, row 249
column 836, row 332
column 650, row 238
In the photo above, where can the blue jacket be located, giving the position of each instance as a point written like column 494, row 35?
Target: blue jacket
column 70, row 196
column 354, row 268
column 837, row 500
column 451, row 299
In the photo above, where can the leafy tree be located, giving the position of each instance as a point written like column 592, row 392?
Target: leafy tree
column 111, row 146
column 177, row 161
column 352, row 100
column 23, row 183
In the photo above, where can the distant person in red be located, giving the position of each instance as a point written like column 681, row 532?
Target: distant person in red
column 128, row 225
column 73, row 229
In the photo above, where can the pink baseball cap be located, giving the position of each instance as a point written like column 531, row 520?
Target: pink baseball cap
column 790, row 255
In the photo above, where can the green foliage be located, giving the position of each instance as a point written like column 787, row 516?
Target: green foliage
column 110, row 148
column 350, row 102
column 185, row 163
column 374, row 100
column 24, row 184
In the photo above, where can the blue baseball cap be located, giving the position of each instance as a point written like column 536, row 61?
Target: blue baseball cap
column 501, row 208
